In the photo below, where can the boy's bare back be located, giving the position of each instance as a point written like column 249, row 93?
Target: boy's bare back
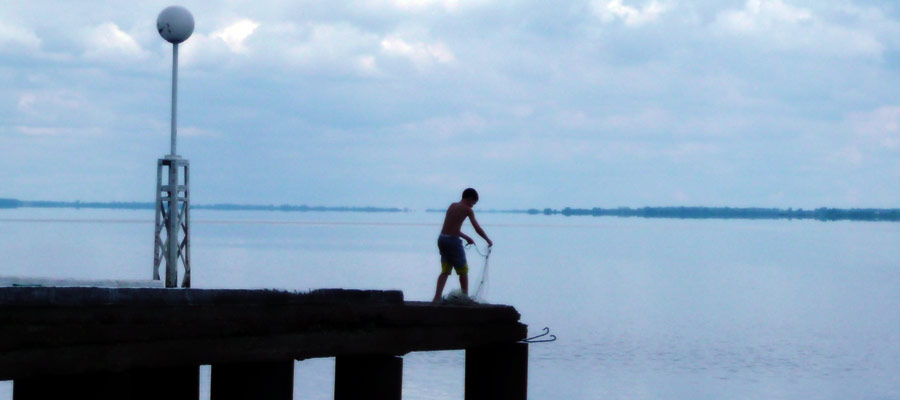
column 456, row 215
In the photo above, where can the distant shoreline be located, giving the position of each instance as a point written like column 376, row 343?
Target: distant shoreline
column 14, row 203
column 819, row 214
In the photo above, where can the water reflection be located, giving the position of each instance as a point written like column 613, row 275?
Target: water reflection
column 644, row 309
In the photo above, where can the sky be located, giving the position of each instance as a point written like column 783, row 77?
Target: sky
column 404, row 103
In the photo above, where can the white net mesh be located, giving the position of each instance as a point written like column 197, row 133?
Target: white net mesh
column 456, row 296
column 482, row 291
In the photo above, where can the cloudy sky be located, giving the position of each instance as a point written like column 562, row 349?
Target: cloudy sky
column 786, row 103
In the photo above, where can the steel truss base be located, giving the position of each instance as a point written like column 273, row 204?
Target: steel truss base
column 173, row 216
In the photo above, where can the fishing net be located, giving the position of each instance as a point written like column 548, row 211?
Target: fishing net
column 456, row 296
column 481, row 293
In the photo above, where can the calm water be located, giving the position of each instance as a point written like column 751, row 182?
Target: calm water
column 644, row 309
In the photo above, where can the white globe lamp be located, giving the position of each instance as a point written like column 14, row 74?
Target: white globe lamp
column 175, row 24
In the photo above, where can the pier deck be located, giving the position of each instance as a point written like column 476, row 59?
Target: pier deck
column 105, row 335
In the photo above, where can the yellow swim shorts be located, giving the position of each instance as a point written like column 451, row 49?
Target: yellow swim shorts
column 445, row 268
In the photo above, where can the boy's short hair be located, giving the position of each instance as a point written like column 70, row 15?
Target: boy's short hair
column 470, row 193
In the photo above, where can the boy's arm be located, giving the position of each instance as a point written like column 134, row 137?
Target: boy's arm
column 478, row 227
column 467, row 238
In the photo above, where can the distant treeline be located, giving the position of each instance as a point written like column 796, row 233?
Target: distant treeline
column 76, row 204
column 821, row 214
column 13, row 203
column 10, row 203
column 290, row 207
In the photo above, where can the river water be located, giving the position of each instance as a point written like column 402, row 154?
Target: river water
column 642, row 308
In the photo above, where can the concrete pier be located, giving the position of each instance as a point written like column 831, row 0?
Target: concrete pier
column 149, row 343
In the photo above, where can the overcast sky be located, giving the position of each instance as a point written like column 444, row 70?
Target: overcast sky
column 783, row 103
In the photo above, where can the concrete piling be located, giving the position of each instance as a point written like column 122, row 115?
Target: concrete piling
column 259, row 381
column 368, row 377
column 497, row 372
column 178, row 383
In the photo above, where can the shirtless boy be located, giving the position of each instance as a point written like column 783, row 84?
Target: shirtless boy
column 450, row 245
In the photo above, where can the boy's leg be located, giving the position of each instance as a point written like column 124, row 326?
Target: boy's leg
column 463, row 273
column 441, row 281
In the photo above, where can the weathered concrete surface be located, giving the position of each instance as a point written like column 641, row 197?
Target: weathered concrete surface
column 17, row 297
column 13, row 281
column 51, row 331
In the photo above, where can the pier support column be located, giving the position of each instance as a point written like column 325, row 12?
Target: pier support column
column 258, row 381
column 179, row 383
column 368, row 377
column 497, row 372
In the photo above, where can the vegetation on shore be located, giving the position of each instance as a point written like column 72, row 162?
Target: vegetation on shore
column 820, row 214
column 13, row 203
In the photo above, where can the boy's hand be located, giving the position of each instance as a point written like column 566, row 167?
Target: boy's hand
column 490, row 243
column 469, row 241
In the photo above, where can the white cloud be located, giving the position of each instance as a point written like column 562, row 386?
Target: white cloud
column 637, row 121
column 763, row 14
column 193, row 131
column 16, row 36
column 200, row 51
column 614, row 10
column 38, row 130
column 781, row 26
column 331, row 48
column 107, row 42
column 880, row 127
column 220, row 47
column 319, row 48
column 691, row 151
column 446, row 127
column 61, row 112
column 26, row 101
column 422, row 6
column 420, row 53
column 49, row 104
column 367, row 64
column 30, row 130
column 235, row 34
column 850, row 155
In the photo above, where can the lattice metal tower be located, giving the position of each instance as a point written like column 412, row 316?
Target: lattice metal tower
column 173, row 200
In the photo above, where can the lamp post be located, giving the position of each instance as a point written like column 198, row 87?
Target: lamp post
column 175, row 24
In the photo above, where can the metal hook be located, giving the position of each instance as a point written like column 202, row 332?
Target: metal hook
column 537, row 339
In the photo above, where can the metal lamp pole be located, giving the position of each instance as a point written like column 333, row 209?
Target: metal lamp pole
column 175, row 25
column 172, row 152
